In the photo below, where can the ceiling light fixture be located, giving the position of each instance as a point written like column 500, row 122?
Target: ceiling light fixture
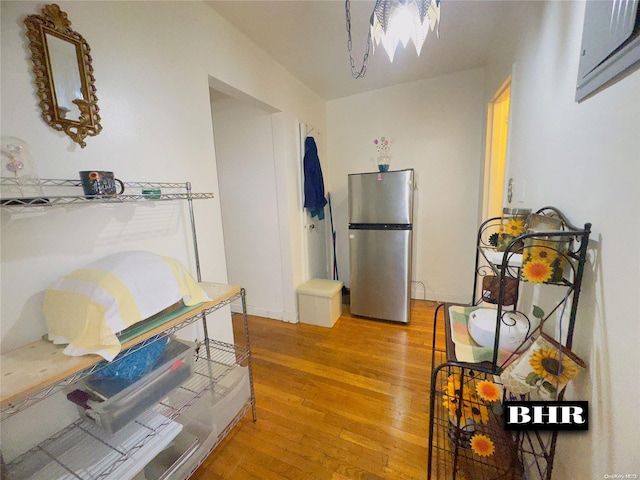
column 393, row 22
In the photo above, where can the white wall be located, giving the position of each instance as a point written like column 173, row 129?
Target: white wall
column 437, row 127
column 152, row 87
column 153, row 64
column 260, row 172
column 249, row 202
column 585, row 159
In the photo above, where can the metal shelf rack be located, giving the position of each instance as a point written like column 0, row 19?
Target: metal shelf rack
column 53, row 200
column 214, row 359
column 208, row 372
column 26, row 393
column 528, row 453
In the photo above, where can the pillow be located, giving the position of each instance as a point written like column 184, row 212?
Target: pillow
column 89, row 306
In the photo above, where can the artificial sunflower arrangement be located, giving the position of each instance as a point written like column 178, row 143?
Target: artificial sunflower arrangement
column 467, row 405
column 473, row 407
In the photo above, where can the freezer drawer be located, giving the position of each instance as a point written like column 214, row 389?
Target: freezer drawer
column 381, row 198
column 380, row 262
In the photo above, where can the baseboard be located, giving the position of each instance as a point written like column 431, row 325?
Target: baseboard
column 289, row 317
column 444, row 298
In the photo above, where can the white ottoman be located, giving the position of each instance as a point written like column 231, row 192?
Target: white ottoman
column 320, row 302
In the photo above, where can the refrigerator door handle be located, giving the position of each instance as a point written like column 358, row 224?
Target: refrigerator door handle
column 380, row 226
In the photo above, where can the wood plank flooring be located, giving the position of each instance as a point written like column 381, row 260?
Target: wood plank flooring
column 348, row 402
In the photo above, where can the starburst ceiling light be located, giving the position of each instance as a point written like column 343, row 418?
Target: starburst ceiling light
column 396, row 21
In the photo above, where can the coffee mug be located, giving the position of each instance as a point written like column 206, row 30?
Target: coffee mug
column 97, row 183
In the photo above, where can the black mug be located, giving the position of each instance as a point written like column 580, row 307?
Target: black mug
column 97, row 183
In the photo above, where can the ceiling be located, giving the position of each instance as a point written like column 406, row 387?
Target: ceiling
column 309, row 39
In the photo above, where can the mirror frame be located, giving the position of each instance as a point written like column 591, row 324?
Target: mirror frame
column 55, row 22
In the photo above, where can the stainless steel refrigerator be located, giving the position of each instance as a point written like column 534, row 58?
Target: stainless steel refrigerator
column 380, row 239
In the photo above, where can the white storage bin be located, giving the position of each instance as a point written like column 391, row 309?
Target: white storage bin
column 320, row 302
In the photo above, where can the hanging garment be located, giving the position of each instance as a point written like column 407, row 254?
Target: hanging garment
column 313, row 182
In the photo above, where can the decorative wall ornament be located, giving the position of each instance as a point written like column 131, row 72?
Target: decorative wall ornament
column 63, row 74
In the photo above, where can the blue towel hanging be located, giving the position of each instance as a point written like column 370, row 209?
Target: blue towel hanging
column 314, row 198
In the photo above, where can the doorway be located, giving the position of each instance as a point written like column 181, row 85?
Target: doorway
column 496, row 154
column 243, row 139
column 260, row 185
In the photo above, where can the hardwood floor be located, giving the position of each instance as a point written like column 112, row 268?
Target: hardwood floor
column 348, row 402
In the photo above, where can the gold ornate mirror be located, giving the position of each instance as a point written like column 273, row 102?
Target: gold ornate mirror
column 63, row 74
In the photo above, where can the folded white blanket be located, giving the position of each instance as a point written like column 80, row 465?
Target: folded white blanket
column 86, row 308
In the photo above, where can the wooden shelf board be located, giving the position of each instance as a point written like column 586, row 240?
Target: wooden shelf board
column 33, row 367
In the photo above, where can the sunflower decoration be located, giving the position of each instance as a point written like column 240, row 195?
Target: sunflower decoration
column 468, row 405
column 489, row 391
column 508, row 233
column 491, row 394
column 482, row 445
column 549, row 370
column 514, row 227
column 493, row 239
column 539, row 252
column 537, row 271
column 544, row 369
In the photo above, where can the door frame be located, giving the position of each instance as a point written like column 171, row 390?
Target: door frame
column 495, row 165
